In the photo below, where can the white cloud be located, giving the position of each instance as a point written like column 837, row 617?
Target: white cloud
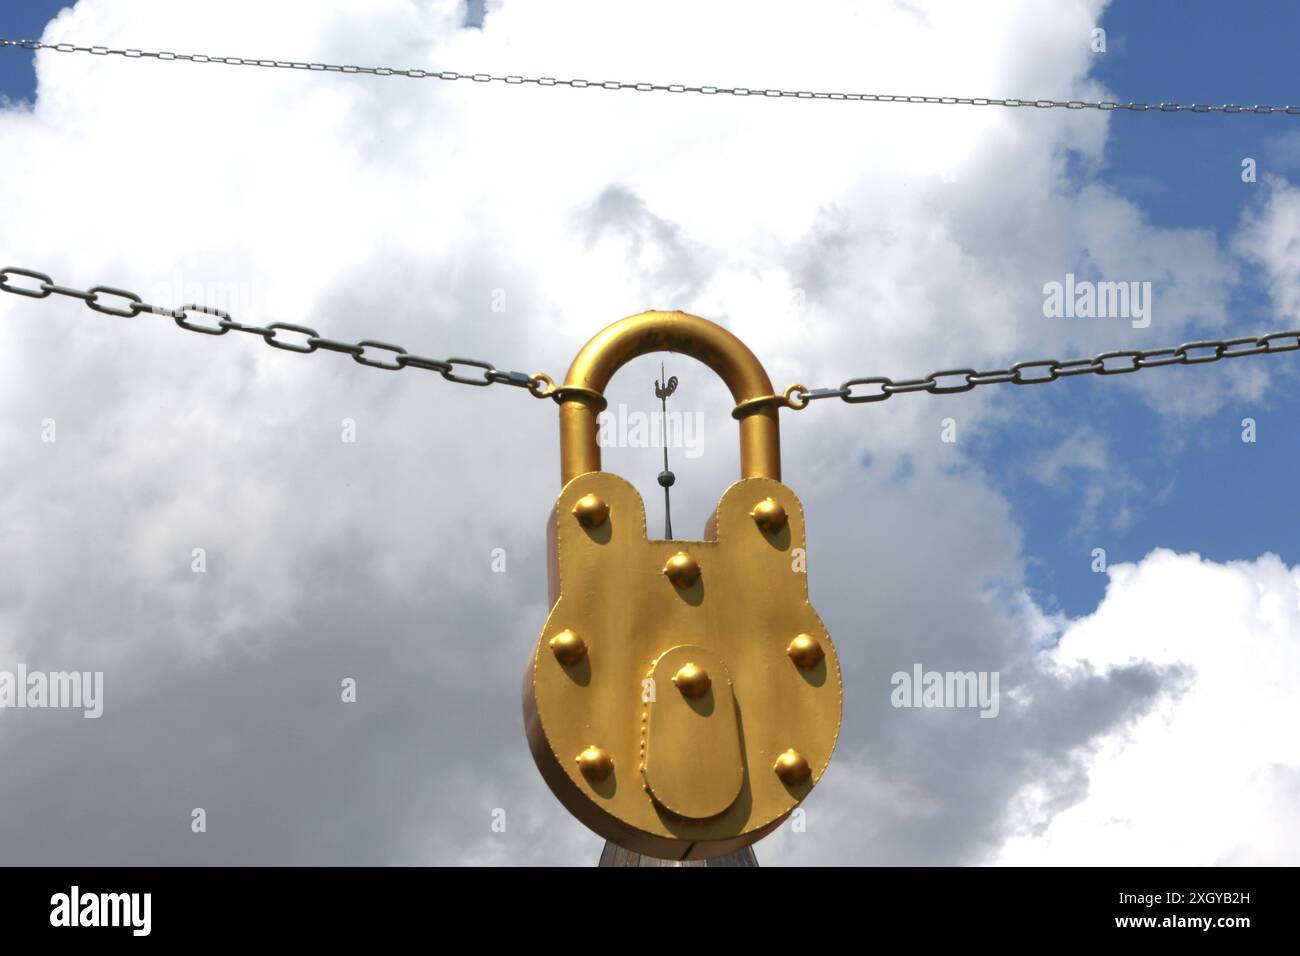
column 1210, row 775
column 1271, row 238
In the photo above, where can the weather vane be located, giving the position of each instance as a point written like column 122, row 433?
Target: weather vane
column 666, row 477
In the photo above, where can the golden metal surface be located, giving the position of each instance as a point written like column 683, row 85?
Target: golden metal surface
column 692, row 680
column 591, row 511
column 568, row 648
column 793, row 769
column 581, row 395
column 785, row 399
column 750, row 405
column 595, row 764
column 805, row 651
column 703, row 786
column 788, row 396
column 609, row 587
column 682, row 569
column 693, row 762
column 769, row 515
column 544, row 392
column 564, row 393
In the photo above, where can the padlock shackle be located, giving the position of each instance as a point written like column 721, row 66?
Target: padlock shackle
column 581, row 397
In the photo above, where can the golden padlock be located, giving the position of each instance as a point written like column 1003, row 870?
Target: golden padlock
column 684, row 697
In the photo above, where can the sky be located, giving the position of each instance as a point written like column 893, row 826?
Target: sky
column 1146, row 711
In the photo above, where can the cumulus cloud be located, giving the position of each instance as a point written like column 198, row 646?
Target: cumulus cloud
column 1271, row 239
column 837, row 239
column 1210, row 774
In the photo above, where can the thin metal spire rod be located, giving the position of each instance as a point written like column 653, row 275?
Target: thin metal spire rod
column 663, row 388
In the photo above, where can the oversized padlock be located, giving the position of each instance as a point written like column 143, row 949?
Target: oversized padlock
column 684, row 697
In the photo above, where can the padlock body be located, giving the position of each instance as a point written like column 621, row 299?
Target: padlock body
column 683, row 772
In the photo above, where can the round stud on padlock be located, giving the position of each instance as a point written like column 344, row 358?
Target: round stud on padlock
column 591, row 511
column 595, row 764
column 805, row 651
column 692, row 681
column 792, row 767
column 683, row 570
column 769, row 515
column 568, row 647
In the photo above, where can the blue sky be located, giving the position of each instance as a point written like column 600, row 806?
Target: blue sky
column 23, row 21
column 1228, row 498
column 1222, row 498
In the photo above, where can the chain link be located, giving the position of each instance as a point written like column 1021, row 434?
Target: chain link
column 646, row 87
column 1041, row 371
column 370, row 352
column 367, row 352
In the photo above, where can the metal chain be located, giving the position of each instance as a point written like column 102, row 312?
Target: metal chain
column 306, row 340
column 644, row 87
column 541, row 385
column 1049, row 370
